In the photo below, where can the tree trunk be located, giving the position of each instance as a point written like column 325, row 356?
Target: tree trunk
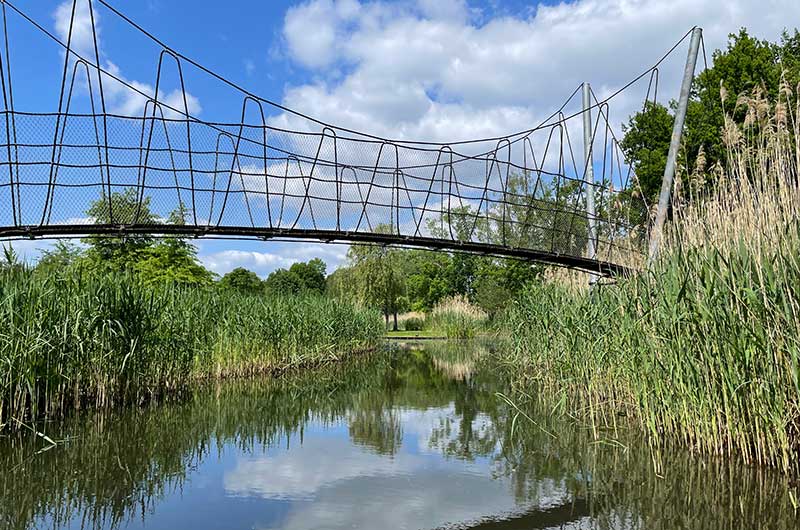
column 395, row 321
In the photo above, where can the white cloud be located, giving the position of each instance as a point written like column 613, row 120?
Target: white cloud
column 281, row 256
column 313, row 29
column 81, row 41
column 431, row 71
column 120, row 99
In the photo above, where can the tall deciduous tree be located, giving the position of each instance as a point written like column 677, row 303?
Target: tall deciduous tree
column 173, row 259
column 120, row 252
column 241, row 280
column 746, row 64
column 299, row 278
column 379, row 276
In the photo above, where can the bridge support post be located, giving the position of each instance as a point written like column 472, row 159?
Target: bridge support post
column 672, row 156
column 588, row 141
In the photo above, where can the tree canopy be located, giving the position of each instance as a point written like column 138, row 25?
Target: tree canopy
column 241, row 280
column 747, row 64
column 298, row 278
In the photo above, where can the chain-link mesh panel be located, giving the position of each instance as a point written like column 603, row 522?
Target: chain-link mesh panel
column 160, row 171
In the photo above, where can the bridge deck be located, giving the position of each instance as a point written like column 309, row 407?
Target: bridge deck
column 604, row 268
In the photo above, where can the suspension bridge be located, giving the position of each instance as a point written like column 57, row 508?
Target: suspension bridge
column 559, row 193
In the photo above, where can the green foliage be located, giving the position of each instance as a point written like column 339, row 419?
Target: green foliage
column 379, row 279
column 282, row 281
column 428, row 278
column 172, row 260
column 492, row 296
column 646, row 143
column 119, row 253
column 341, row 284
column 746, row 64
column 63, row 256
column 299, row 278
column 169, row 260
column 242, row 281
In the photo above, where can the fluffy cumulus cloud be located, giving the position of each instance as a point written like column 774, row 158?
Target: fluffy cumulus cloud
column 447, row 70
column 280, row 256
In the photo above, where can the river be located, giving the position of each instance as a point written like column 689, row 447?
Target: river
column 416, row 438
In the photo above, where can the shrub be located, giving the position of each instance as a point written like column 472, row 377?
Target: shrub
column 413, row 324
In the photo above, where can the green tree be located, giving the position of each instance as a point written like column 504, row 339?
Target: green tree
column 60, row 258
column 119, row 252
column 427, row 276
column 299, row 278
column 747, row 64
column 491, row 295
column 646, row 143
column 311, row 275
column 379, row 276
column 173, row 259
column 285, row 282
column 341, row 283
column 241, row 280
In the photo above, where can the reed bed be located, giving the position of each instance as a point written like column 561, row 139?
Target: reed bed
column 457, row 318
column 703, row 348
column 81, row 339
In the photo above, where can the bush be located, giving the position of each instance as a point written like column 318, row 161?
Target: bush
column 413, row 324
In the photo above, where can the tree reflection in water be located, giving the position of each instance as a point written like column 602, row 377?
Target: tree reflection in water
column 119, row 467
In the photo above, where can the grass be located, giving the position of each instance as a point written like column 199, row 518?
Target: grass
column 703, row 348
column 79, row 339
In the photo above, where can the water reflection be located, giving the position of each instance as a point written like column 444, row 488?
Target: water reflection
column 417, row 439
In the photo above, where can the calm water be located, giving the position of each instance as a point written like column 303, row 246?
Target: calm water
column 417, row 439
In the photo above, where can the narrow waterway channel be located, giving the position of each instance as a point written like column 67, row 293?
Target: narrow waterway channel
column 416, row 438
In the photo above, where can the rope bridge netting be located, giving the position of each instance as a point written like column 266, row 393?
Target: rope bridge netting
column 85, row 169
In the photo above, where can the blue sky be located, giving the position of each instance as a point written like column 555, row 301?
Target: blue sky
column 415, row 69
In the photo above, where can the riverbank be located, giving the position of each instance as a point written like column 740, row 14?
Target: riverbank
column 81, row 340
column 704, row 347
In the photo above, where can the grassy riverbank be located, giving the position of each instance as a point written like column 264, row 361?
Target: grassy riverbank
column 83, row 339
column 704, row 347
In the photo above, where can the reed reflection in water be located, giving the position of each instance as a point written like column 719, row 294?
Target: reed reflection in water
column 416, row 438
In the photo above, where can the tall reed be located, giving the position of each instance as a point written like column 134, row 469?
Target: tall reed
column 457, row 318
column 81, row 339
column 703, row 348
